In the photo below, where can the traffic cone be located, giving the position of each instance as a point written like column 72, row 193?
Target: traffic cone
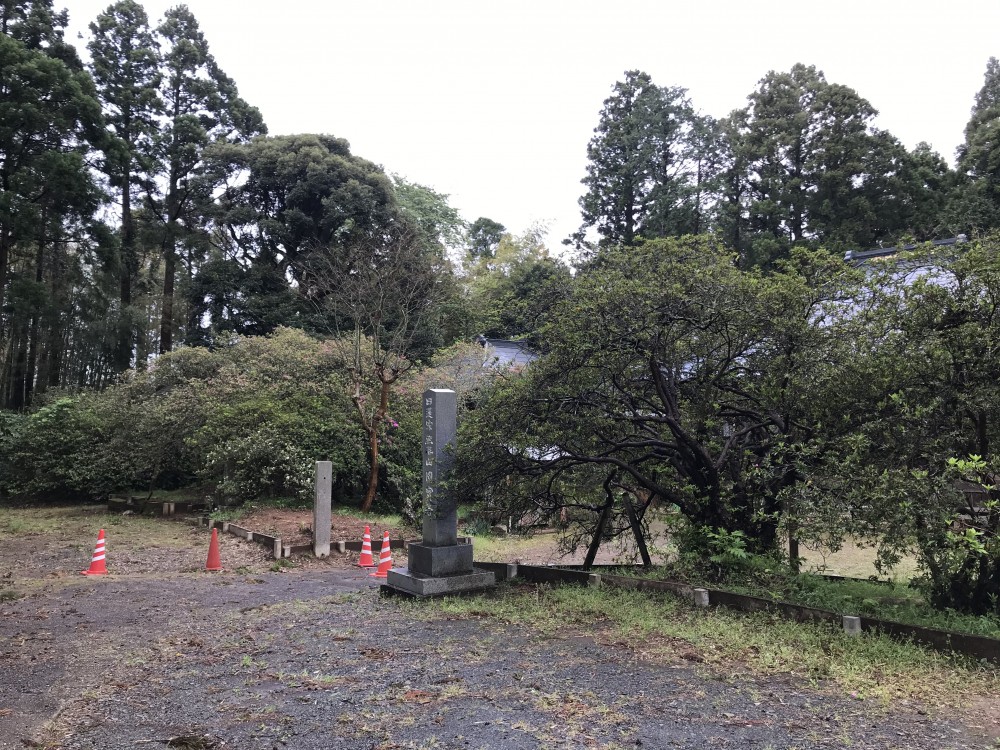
column 97, row 567
column 384, row 559
column 366, row 560
column 214, row 562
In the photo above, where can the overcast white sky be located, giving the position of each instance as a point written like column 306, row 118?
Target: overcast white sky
column 493, row 103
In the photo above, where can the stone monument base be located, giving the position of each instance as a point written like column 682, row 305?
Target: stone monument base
column 447, row 560
column 406, row 581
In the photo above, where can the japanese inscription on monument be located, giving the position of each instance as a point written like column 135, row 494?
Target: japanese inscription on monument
column 440, row 426
column 430, row 465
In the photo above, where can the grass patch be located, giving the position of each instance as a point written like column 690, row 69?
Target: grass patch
column 393, row 520
column 78, row 525
column 872, row 666
column 506, row 548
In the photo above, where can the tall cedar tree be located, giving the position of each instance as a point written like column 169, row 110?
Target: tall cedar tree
column 126, row 68
column 202, row 107
column 642, row 176
column 806, row 166
column 50, row 122
column 977, row 206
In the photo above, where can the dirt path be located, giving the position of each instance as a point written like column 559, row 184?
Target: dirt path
column 315, row 659
column 260, row 656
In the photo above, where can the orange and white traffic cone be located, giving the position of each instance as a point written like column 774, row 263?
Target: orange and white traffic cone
column 366, row 560
column 97, row 567
column 384, row 559
column 214, row 561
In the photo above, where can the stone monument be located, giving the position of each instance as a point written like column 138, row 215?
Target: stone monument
column 322, row 508
column 439, row 564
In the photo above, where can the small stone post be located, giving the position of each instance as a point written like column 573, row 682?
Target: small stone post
column 323, row 508
column 701, row 597
column 852, row 625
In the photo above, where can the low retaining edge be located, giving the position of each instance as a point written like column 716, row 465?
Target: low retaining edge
column 979, row 647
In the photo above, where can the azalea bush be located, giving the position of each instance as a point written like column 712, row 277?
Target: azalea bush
column 242, row 422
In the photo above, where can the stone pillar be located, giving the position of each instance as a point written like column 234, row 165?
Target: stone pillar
column 440, row 426
column 439, row 564
column 700, row 597
column 852, row 625
column 323, row 508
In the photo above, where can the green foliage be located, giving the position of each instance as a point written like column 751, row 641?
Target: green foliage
column 246, row 421
column 644, row 174
column 512, row 289
column 915, row 466
column 976, row 205
column 807, row 166
column 302, row 192
column 670, row 377
column 439, row 224
column 483, row 237
column 51, row 451
column 242, row 423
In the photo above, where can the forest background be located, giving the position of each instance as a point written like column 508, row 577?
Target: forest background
column 187, row 301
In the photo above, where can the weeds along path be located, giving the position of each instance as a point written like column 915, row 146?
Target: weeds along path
column 313, row 658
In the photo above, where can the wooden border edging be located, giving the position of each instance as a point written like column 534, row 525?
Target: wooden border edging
column 746, row 603
column 500, row 570
column 977, row 646
column 645, row 584
column 543, row 574
column 279, row 549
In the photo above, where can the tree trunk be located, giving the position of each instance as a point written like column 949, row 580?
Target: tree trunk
column 4, row 261
column 640, row 539
column 18, row 370
column 602, row 524
column 170, row 256
column 793, row 554
column 167, row 313
column 33, row 343
column 123, row 348
column 377, row 420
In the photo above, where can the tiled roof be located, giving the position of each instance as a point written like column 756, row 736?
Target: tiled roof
column 508, row 353
column 859, row 256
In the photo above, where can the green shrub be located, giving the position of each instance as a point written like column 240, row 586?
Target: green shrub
column 244, row 422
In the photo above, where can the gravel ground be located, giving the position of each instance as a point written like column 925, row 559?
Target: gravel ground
column 313, row 658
